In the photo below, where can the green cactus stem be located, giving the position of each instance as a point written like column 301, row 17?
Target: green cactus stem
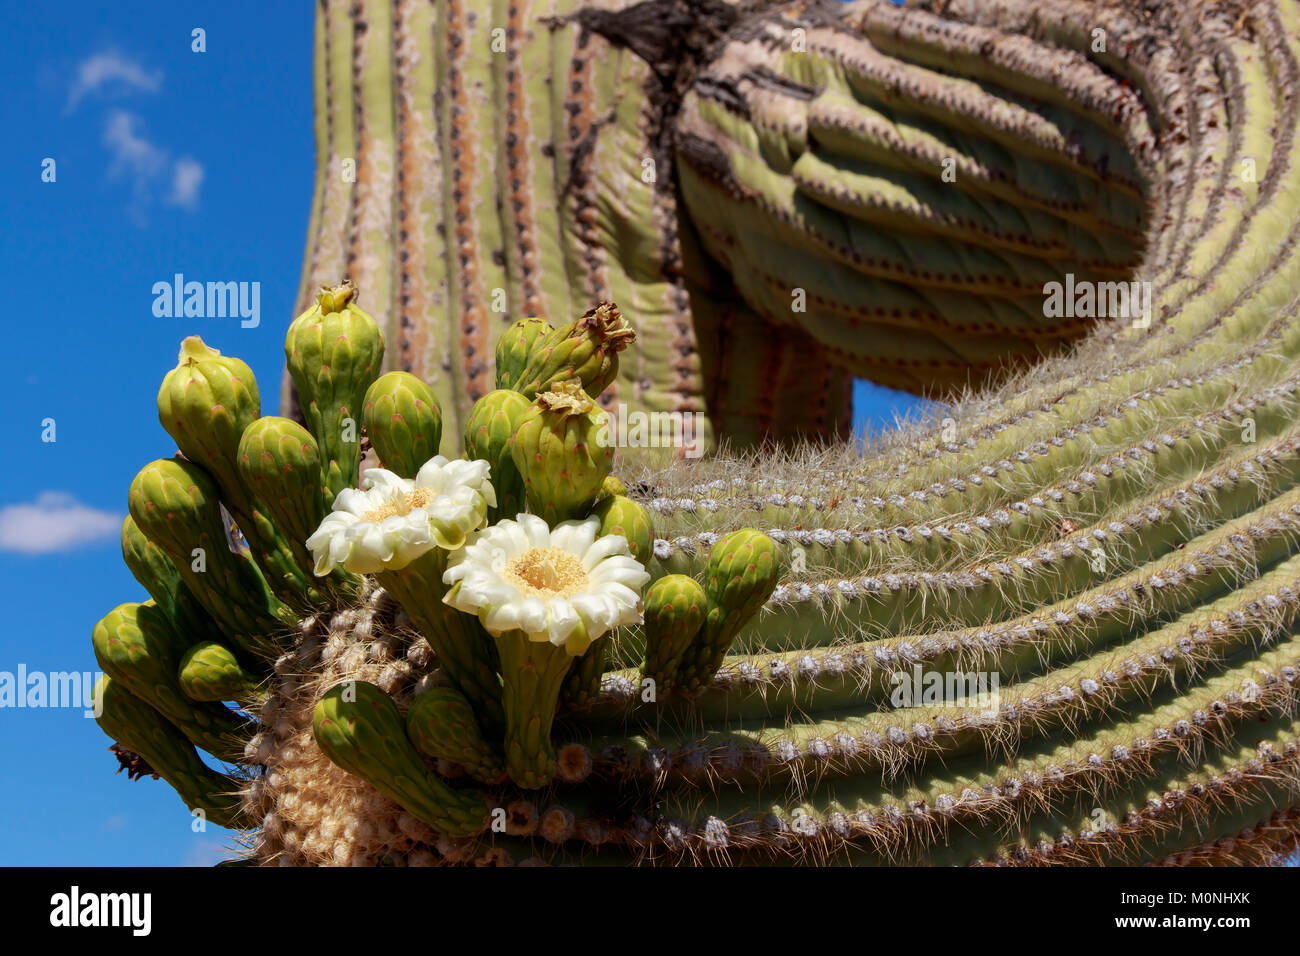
column 359, row 728
column 441, row 724
column 533, row 674
column 138, row 727
column 137, row 646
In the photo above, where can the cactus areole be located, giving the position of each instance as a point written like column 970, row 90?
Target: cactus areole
column 1053, row 622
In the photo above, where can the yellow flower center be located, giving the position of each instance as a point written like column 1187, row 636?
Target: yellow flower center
column 547, row 573
column 402, row 504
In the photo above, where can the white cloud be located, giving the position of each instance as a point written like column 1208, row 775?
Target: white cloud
column 187, row 177
column 110, row 69
column 132, row 153
column 55, row 522
column 147, row 164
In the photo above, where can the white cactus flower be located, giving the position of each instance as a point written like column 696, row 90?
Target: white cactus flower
column 390, row 521
column 563, row 584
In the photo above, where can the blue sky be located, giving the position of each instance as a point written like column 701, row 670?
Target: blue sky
column 166, row 160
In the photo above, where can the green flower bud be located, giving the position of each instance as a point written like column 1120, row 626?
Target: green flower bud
column 623, row 516
column 586, row 350
column 175, row 505
column 158, row 575
column 557, row 450
column 209, row 671
column 515, row 346
column 744, row 568
column 675, row 608
column 205, row 403
column 359, row 728
column 138, row 727
column 279, row 461
column 135, row 645
column 442, row 725
column 612, row 486
column 403, row 421
column 334, row 351
column 492, row 422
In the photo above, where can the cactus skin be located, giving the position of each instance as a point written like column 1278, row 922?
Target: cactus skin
column 441, row 724
column 492, row 422
column 743, row 570
column 366, row 738
column 209, row 671
column 137, row 647
column 515, row 347
column 556, row 448
column 675, row 608
column 586, row 350
column 403, row 422
column 138, row 727
column 334, row 351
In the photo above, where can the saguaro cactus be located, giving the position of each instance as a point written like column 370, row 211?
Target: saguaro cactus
column 1055, row 622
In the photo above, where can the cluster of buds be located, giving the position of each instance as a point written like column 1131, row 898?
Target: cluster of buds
column 520, row 562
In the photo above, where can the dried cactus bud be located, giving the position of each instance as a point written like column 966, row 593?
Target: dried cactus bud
column 334, row 351
column 623, row 516
column 744, row 568
column 403, row 422
column 515, row 346
column 558, row 452
column 586, row 350
column 441, row 724
column 359, row 728
column 209, row 672
column 675, row 608
column 136, row 646
column 492, row 421
column 139, row 728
